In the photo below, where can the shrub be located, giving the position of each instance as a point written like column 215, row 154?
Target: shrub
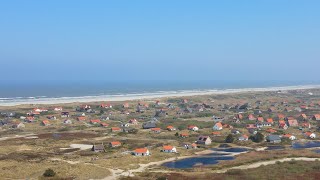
column 229, row 138
column 49, row 173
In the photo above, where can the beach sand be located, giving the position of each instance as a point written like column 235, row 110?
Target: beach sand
column 147, row 96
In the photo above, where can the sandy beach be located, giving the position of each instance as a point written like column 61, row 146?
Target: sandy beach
column 146, row 96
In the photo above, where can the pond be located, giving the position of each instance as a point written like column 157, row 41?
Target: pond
column 309, row 144
column 231, row 150
column 192, row 162
column 208, row 159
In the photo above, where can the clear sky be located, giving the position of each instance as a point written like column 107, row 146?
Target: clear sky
column 159, row 40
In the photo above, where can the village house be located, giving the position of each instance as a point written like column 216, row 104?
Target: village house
column 65, row 114
column 304, row 107
column 283, row 126
column 193, row 128
column 251, row 126
column 271, row 110
column 83, row 108
column 57, row 109
column 191, row 146
column 95, row 121
column 125, row 125
column 18, row 125
column 239, row 116
column 141, row 152
column 133, row 121
column 98, row 148
column 270, row 120
column 244, row 137
column 104, row 118
column 205, row 140
column 114, row 144
column 81, row 118
column 126, row 105
column 156, row 130
column 310, row 135
column 184, row 135
column 45, row 123
column 169, row 149
column 305, row 125
column 303, row 117
column 40, row 110
column 273, row 138
column 260, row 119
column 263, row 124
column 104, row 124
column 218, row 126
column 257, row 112
column 289, row 136
column 235, row 131
column 115, row 129
column 106, row 105
column 316, row 117
column 280, row 116
column 149, row 125
column 51, row 117
column 292, row 123
column 171, row 128
column 8, row 114
column 216, row 133
column 29, row 119
column 67, row 121
column 288, row 109
column 251, row 117
column 270, row 130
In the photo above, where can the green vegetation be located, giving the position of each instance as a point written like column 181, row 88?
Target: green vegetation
column 49, row 173
column 229, row 138
column 259, row 137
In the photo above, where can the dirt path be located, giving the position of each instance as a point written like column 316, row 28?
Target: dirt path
column 258, row 164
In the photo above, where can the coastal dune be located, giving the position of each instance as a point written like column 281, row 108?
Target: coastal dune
column 159, row 94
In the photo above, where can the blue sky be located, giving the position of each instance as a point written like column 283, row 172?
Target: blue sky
column 180, row 40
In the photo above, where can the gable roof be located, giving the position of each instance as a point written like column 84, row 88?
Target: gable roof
column 168, row 147
column 218, row 124
column 115, row 143
column 141, row 150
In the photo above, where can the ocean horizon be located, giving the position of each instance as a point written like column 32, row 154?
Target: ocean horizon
column 15, row 94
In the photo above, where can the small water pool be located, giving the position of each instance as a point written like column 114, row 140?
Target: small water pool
column 231, row 150
column 192, row 162
column 309, row 144
column 223, row 154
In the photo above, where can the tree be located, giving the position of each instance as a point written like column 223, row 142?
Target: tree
column 49, row 173
column 258, row 137
column 229, row 138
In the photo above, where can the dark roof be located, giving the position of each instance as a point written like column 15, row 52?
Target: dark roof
column 273, row 138
column 149, row 125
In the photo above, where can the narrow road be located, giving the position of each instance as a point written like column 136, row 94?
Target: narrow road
column 258, row 164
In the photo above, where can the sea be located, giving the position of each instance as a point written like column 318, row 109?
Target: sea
column 28, row 93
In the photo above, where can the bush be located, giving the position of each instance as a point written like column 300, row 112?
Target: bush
column 258, row 137
column 229, row 138
column 49, row 173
